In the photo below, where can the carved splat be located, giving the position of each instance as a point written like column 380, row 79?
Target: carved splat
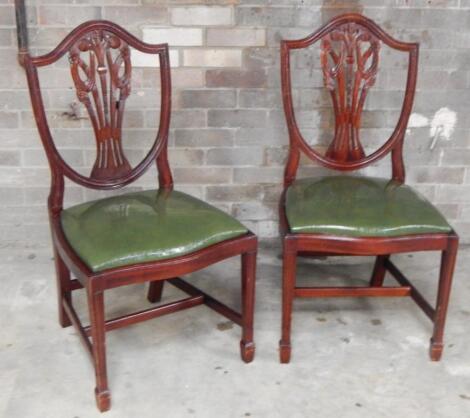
column 103, row 84
column 349, row 59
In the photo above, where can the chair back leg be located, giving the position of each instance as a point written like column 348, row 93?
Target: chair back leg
column 378, row 274
column 247, row 346
column 288, row 284
column 155, row 291
column 448, row 259
column 64, row 291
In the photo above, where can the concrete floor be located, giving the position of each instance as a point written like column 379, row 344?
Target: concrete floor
column 351, row 358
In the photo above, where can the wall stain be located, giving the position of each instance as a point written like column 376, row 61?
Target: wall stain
column 74, row 112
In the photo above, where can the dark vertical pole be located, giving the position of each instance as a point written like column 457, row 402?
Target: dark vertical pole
column 21, row 29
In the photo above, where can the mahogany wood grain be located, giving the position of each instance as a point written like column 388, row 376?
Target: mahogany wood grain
column 145, row 315
column 330, row 292
column 211, row 302
column 448, row 258
column 101, row 70
column 247, row 347
column 378, row 274
column 64, row 289
column 348, row 77
column 349, row 55
column 103, row 91
column 155, row 292
column 289, row 266
column 75, row 285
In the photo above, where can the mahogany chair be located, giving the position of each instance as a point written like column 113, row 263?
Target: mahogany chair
column 353, row 215
column 150, row 236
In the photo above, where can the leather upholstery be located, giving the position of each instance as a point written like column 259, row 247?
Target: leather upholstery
column 144, row 226
column 360, row 206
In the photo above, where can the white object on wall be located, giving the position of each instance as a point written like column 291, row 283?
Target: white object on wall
column 442, row 125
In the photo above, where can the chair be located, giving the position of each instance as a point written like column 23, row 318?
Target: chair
column 352, row 215
column 149, row 236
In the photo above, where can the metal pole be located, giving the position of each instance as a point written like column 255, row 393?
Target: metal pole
column 21, row 29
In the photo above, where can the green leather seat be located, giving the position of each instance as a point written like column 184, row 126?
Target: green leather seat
column 144, row 226
column 360, row 207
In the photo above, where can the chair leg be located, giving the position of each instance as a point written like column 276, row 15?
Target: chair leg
column 96, row 307
column 247, row 346
column 288, row 284
column 63, row 289
column 445, row 281
column 378, row 274
column 155, row 291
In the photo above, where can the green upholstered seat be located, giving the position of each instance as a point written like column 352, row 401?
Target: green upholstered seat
column 144, row 226
column 360, row 207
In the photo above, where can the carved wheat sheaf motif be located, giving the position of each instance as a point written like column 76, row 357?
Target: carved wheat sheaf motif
column 103, row 83
column 349, row 60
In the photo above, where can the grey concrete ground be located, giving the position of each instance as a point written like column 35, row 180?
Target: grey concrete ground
column 351, row 358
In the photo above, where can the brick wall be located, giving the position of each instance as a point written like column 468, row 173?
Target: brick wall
column 228, row 136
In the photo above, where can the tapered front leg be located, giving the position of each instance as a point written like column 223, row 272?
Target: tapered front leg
column 445, row 282
column 155, row 291
column 378, row 274
column 288, row 284
column 96, row 307
column 63, row 288
column 247, row 346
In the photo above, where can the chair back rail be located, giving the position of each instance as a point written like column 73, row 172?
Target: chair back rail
column 349, row 51
column 101, row 70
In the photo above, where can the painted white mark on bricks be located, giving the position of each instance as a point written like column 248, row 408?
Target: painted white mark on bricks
column 418, row 121
column 442, row 125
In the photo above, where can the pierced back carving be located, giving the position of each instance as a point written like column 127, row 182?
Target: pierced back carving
column 349, row 52
column 349, row 71
column 103, row 85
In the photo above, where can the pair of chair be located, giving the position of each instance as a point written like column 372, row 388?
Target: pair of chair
column 158, row 235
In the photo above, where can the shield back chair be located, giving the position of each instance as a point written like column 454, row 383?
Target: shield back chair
column 353, row 215
column 149, row 236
